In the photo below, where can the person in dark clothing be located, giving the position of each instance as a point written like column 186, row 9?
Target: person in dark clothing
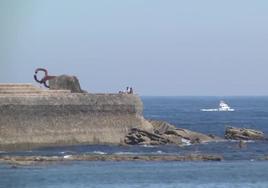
column 130, row 90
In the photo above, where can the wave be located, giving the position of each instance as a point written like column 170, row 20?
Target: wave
column 99, row 152
column 216, row 110
column 148, row 146
column 186, row 142
column 159, row 152
column 245, row 141
column 210, row 110
column 67, row 152
column 67, row 156
column 125, row 153
column 249, row 141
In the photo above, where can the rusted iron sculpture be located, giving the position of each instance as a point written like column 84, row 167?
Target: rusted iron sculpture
column 45, row 78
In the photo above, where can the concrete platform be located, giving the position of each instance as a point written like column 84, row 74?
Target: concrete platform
column 33, row 117
column 26, row 89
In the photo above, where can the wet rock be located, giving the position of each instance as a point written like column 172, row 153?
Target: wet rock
column 161, row 127
column 165, row 133
column 37, row 160
column 234, row 133
column 65, row 82
column 164, row 128
column 142, row 137
column 193, row 137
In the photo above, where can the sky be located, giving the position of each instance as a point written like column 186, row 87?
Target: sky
column 159, row 47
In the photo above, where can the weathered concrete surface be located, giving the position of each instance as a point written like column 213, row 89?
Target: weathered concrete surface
column 49, row 118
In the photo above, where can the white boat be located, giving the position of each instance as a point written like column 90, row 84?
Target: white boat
column 223, row 107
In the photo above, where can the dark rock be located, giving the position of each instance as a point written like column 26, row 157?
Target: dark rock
column 161, row 127
column 165, row 133
column 141, row 137
column 33, row 160
column 243, row 134
column 166, row 129
column 192, row 136
column 65, row 82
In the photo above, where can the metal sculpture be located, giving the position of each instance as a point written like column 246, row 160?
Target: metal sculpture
column 45, row 78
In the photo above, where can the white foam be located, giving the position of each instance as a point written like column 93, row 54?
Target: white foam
column 216, row 110
column 99, row 152
column 186, row 142
column 67, row 156
column 125, row 153
column 245, row 141
column 248, row 141
column 148, row 146
column 210, row 110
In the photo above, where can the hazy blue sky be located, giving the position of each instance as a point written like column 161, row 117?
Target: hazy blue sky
column 160, row 47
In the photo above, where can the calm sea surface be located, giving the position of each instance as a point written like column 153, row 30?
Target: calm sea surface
column 241, row 167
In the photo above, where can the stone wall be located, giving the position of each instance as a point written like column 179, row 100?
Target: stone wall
column 51, row 119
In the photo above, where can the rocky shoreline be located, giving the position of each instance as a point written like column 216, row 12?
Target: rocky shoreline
column 164, row 133
column 235, row 133
column 32, row 160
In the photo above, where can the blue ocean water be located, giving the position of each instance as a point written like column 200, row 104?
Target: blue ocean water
column 241, row 167
column 250, row 112
column 137, row 174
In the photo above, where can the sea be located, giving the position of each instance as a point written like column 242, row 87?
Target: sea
column 241, row 167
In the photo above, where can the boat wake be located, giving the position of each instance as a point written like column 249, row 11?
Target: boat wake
column 223, row 107
column 210, row 110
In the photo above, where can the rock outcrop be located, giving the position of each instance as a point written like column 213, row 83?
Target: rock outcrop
column 142, row 137
column 164, row 133
column 32, row 160
column 234, row 133
column 65, row 82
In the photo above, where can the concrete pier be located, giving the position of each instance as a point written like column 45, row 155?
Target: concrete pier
column 33, row 117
